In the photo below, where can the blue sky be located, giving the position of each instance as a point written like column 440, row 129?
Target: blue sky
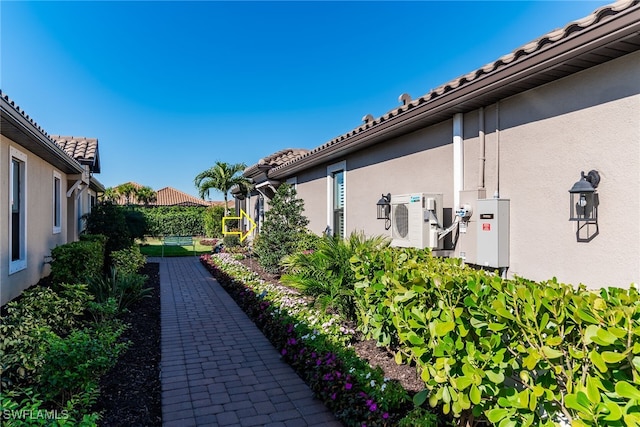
column 169, row 88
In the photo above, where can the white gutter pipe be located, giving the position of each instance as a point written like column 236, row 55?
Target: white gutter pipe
column 458, row 160
column 496, row 195
column 482, row 159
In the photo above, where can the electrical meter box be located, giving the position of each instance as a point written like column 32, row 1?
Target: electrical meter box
column 493, row 233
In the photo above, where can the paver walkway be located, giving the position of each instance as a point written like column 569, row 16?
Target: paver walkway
column 217, row 368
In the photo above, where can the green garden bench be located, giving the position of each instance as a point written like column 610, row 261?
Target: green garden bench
column 178, row 241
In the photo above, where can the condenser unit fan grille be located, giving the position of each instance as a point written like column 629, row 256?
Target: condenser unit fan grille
column 401, row 220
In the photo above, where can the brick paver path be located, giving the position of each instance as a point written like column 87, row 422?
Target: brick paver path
column 217, row 368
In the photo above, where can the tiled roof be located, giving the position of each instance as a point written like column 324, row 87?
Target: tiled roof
column 169, row 196
column 276, row 159
column 84, row 150
column 38, row 140
column 531, row 49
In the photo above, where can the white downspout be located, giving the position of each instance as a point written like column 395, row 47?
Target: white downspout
column 482, row 159
column 458, row 160
column 496, row 195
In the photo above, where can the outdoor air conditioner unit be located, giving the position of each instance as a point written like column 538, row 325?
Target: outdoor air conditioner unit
column 416, row 220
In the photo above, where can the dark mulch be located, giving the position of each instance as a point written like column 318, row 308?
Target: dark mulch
column 130, row 393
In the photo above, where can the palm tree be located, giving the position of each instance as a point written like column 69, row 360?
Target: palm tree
column 222, row 176
column 146, row 195
column 127, row 190
column 110, row 195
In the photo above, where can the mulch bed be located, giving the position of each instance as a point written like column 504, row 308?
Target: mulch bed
column 130, row 393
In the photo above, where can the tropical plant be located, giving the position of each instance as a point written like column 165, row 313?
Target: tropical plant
column 110, row 195
column 326, row 273
column 127, row 190
column 146, row 195
column 283, row 224
column 125, row 288
column 221, row 176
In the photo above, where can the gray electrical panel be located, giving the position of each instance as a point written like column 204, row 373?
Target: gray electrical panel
column 493, row 233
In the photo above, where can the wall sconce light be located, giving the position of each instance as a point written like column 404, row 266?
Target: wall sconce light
column 384, row 210
column 584, row 203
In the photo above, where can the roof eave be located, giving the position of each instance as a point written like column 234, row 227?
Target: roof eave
column 22, row 130
column 516, row 77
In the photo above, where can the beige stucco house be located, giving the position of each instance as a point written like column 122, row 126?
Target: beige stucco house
column 481, row 167
column 46, row 186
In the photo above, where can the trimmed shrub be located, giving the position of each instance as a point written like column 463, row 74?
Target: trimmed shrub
column 77, row 262
column 128, row 261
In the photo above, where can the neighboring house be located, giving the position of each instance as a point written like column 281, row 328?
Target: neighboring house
column 263, row 188
column 169, row 196
column 521, row 129
column 46, row 185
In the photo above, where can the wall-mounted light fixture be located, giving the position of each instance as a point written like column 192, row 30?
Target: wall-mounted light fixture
column 384, row 210
column 584, row 203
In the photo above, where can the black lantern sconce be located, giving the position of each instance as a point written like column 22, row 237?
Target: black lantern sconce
column 384, row 210
column 584, row 204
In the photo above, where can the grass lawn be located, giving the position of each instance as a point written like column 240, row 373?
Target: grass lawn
column 153, row 247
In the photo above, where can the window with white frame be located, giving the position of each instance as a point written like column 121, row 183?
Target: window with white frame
column 18, row 217
column 336, row 198
column 57, row 202
column 293, row 182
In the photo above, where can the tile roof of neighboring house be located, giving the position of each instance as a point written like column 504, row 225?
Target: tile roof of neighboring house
column 169, row 196
column 19, row 127
column 84, row 150
column 609, row 32
column 274, row 160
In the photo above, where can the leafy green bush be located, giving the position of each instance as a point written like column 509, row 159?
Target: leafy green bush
column 109, row 220
column 74, row 362
column 136, row 223
column 213, row 221
column 283, row 224
column 129, row 260
column 27, row 408
column 512, row 352
column 38, row 312
column 77, row 262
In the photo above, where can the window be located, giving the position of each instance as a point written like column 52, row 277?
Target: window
column 18, row 203
column 336, row 198
column 293, row 182
column 57, row 203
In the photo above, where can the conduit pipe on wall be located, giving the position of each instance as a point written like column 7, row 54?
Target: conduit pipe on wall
column 496, row 195
column 458, row 160
column 482, row 159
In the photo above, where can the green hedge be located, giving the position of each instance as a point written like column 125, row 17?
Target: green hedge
column 174, row 220
column 513, row 352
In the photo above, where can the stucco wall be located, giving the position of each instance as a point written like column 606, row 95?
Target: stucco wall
column 548, row 135
column 40, row 236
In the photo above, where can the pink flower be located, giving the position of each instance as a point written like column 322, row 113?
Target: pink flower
column 385, row 415
column 373, row 407
column 284, row 351
column 333, row 396
column 348, row 386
